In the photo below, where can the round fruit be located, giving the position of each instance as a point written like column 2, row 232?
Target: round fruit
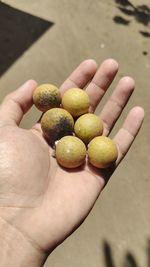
column 102, row 152
column 70, row 152
column 46, row 96
column 76, row 101
column 56, row 123
column 88, row 126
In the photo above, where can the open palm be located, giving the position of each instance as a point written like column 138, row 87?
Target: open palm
column 39, row 198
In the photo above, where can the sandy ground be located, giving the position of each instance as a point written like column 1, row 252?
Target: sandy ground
column 117, row 231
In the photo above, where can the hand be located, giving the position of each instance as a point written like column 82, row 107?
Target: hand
column 39, row 199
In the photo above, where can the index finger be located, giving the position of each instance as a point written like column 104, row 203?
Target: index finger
column 80, row 76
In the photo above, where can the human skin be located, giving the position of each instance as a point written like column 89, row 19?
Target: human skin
column 41, row 203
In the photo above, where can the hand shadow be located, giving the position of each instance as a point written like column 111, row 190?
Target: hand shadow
column 129, row 259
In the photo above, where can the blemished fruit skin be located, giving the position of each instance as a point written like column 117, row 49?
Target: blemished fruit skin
column 102, row 152
column 56, row 123
column 76, row 101
column 46, row 96
column 88, row 126
column 70, row 152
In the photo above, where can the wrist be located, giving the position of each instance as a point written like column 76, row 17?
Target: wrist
column 17, row 250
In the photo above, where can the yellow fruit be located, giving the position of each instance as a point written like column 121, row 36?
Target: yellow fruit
column 88, row 126
column 102, row 152
column 46, row 96
column 70, row 152
column 76, row 101
column 56, row 123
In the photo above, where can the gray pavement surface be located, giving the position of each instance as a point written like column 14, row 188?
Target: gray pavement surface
column 117, row 231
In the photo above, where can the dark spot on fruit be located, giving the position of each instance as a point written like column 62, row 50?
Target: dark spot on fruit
column 52, row 101
column 62, row 128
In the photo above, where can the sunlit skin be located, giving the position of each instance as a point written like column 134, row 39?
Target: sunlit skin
column 38, row 198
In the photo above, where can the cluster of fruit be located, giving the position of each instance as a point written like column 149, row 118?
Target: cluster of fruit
column 71, row 129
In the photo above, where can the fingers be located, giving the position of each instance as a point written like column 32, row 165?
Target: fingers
column 117, row 101
column 101, row 81
column 80, row 76
column 128, row 132
column 16, row 104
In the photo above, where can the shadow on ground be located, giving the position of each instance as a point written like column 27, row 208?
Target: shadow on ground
column 141, row 14
column 18, row 31
column 129, row 259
